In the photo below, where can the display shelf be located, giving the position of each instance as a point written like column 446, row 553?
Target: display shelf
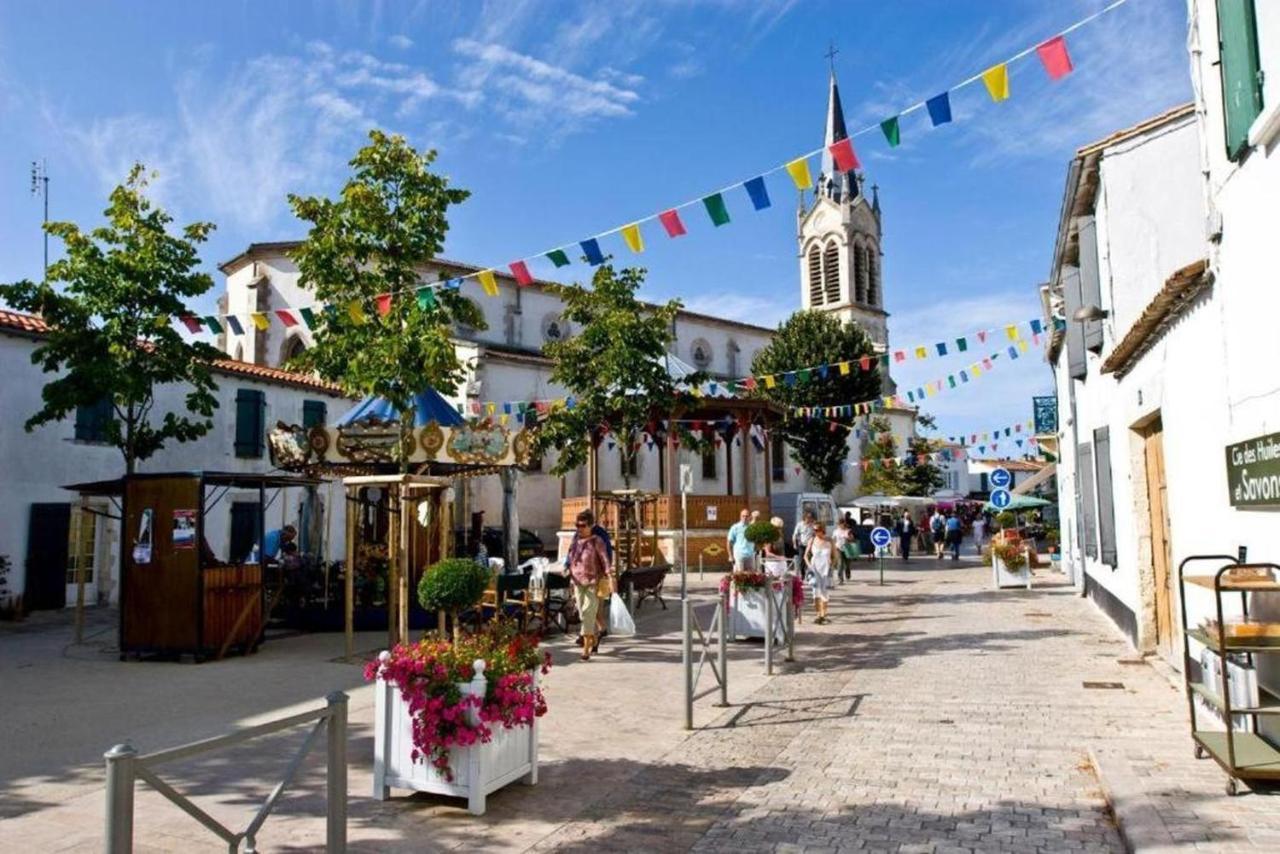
column 1256, row 644
column 1268, row 703
column 1254, row 754
column 1206, row 581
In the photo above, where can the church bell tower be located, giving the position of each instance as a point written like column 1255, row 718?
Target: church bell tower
column 839, row 240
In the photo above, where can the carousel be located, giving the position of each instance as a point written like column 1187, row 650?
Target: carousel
column 398, row 521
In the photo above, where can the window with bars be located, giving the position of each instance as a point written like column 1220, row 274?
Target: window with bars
column 815, row 276
column 831, row 272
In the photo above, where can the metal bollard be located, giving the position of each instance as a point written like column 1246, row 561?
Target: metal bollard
column 686, row 649
column 120, row 777
column 768, row 628
column 336, row 775
column 723, row 651
column 790, row 619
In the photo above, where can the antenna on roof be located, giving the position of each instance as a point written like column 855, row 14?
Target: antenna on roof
column 40, row 187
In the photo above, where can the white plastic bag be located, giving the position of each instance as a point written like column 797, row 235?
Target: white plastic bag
column 620, row 622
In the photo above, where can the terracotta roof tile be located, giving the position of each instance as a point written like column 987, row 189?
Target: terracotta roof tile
column 29, row 324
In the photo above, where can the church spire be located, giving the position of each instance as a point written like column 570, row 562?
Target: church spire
column 832, row 183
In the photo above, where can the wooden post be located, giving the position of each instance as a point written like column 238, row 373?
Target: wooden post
column 768, row 468
column 352, row 509
column 406, row 562
column 728, row 467
column 746, row 466
column 510, row 476
column 393, row 566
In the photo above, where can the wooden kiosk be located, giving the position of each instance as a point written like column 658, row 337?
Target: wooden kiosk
column 176, row 596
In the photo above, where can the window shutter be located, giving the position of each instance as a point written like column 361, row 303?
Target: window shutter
column 831, row 272
column 1077, row 367
column 815, row 276
column 1106, row 506
column 1088, row 516
column 1241, row 74
column 250, row 418
column 84, row 427
column 91, row 421
column 1090, row 281
column 314, row 413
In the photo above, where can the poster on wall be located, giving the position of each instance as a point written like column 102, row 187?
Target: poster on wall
column 1046, row 414
column 142, row 545
column 184, row 529
column 711, row 512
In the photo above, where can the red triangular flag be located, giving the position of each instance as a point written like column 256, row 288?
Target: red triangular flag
column 865, row 363
column 843, row 154
column 191, row 322
column 521, row 272
column 286, row 318
column 982, row 336
column 384, row 304
column 1054, row 57
column 671, row 222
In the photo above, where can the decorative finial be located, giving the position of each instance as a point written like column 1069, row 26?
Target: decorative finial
column 831, row 56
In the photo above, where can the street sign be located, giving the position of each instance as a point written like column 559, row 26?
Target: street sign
column 1000, row 479
column 881, row 537
column 1001, row 498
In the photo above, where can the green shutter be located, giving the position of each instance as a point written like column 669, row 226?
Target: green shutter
column 1241, row 74
column 313, row 413
column 250, row 426
column 92, row 420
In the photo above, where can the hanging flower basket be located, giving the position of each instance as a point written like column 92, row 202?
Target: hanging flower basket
column 459, row 718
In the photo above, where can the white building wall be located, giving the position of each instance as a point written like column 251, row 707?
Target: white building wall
column 39, row 463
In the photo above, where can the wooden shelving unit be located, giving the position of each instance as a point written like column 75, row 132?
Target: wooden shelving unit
column 1244, row 756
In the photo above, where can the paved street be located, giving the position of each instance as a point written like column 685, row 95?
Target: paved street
column 933, row 714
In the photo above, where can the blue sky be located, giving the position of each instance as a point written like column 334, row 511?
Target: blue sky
column 565, row 119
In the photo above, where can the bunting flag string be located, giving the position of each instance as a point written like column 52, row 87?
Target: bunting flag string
column 1054, row 58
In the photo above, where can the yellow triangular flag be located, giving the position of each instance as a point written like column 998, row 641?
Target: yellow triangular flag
column 1012, row 332
column 975, row 370
column 928, row 390
column 503, row 420
column 489, row 408
column 798, row 169
column 996, row 79
column 354, row 311
column 631, row 234
column 162, row 321
column 487, row 282
column 769, row 382
column 261, row 320
column 844, row 369
column 921, row 353
column 1022, row 346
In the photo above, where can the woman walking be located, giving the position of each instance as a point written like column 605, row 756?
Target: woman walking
column 591, row 571
column 819, row 557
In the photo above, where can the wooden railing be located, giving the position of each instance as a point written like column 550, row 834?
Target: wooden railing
column 705, row 511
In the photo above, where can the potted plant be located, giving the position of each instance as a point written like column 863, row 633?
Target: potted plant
column 1009, row 565
column 452, row 586
column 760, row 534
column 747, row 607
column 458, row 718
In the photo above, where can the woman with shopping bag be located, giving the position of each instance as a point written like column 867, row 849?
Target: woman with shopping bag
column 591, row 572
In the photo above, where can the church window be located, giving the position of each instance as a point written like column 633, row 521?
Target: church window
column 294, row 347
column 859, row 275
column 831, row 272
column 873, row 276
column 815, row 276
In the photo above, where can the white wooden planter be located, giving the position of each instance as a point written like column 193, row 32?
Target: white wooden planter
column 747, row 618
column 511, row 755
column 1002, row 577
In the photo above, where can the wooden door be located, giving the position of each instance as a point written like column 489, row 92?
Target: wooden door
column 1158, row 504
column 46, row 569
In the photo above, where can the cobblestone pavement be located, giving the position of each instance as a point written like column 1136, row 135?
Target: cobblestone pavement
column 932, row 714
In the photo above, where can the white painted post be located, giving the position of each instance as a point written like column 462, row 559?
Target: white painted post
column 768, row 628
column 723, row 651
column 531, row 779
column 382, row 728
column 790, row 616
column 475, row 753
column 686, row 654
column 336, row 775
column 120, row 776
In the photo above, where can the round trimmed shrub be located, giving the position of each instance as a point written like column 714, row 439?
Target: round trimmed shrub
column 760, row 534
column 453, row 585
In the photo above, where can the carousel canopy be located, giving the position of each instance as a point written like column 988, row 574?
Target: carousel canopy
column 428, row 406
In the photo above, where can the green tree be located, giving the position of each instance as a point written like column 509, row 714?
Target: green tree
column 920, row 475
column 883, row 474
column 372, row 241
column 110, row 336
column 614, row 367
column 807, row 340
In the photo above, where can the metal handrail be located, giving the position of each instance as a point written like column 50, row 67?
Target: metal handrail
column 718, row 630
column 125, row 767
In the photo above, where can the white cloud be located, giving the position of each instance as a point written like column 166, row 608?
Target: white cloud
column 400, row 41
column 744, row 308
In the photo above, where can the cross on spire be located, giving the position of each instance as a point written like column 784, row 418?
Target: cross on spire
column 831, row 55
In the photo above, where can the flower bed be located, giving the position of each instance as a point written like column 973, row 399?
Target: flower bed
column 458, row 718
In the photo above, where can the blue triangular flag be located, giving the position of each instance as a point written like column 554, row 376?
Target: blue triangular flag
column 236, row 328
column 939, row 109
column 591, row 248
column 758, row 193
column 822, row 371
column 942, row 349
column 1036, row 326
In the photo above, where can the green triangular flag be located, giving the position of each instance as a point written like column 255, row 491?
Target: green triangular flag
column 715, row 208
column 558, row 257
column 884, row 360
column 214, row 326
column 308, row 317
column 962, row 344
column 426, row 298
column 890, row 128
column 803, row 375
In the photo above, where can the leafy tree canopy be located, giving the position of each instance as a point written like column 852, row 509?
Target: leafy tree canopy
column 808, row 339
column 111, row 337
column 373, row 240
column 614, row 367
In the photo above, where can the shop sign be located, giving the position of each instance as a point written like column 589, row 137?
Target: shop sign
column 1253, row 471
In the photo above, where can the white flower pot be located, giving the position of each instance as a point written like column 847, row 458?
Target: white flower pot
column 747, row 618
column 1001, row 576
column 511, row 755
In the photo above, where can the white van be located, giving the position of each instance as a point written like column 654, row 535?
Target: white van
column 791, row 507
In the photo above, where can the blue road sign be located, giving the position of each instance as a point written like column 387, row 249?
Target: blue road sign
column 880, row 537
column 1000, row 479
column 1001, row 498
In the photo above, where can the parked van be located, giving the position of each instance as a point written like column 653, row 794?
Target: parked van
column 791, row 507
